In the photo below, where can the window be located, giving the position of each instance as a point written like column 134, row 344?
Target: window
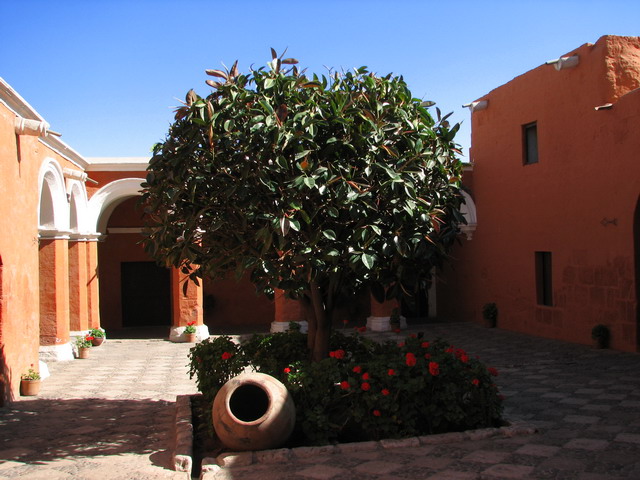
column 543, row 279
column 530, row 143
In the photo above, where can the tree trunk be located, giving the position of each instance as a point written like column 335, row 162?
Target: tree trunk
column 319, row 322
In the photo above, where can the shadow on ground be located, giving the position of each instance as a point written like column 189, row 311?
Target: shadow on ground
column 43, row 430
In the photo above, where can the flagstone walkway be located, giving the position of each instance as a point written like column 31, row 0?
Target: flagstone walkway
column 111, row 417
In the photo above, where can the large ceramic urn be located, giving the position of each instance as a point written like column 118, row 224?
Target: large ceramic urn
column 253, row 411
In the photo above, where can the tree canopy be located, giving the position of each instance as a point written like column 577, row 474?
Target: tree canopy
column 315, row 185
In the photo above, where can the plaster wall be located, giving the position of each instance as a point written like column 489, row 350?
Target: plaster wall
column 577, row 202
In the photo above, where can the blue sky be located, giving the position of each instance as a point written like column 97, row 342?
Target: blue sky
column 107, row 73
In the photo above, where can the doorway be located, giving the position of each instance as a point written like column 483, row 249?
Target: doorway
column 146, row 294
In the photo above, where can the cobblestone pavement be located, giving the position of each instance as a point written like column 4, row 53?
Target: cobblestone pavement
column 107, row 417
column 110, row 417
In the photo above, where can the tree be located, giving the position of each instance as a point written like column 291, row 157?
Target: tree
column 316, row 186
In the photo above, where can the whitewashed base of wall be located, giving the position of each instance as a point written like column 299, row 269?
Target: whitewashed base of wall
column 383, row 324
column 56, row 353
column 176, row 334
column 277, row 327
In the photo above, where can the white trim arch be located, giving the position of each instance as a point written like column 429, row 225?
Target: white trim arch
column 468, row 210
column 105, row 200
column 78, row 207
column 53, row 211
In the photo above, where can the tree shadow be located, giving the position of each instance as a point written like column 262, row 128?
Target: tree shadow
column 44, row 430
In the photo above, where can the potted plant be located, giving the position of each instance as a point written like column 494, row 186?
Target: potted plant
column 601, row 336
column 84, row 344
column 490, row 314
column 98, row 335
column 30, row 383
column 190, row 332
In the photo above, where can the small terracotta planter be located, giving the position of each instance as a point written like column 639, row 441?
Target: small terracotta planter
column 29, row 388
column 191, row 337
column 83, row 352
column 97, row 341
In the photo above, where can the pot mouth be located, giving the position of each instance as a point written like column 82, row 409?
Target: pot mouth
column 249, row 403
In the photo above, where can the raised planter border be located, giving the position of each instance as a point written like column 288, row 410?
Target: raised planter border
column 183, row 453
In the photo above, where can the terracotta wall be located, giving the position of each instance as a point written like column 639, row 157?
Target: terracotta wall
column 577, row 202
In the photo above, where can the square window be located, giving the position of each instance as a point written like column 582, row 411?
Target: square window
column 530, row 143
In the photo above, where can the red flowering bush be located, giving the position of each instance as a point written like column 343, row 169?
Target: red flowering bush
column 366, row 390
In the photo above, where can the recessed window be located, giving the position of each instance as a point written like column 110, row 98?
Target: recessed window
column 544, row 291
column 530, row 143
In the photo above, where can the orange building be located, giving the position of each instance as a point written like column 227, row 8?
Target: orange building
column 555, row 175
column 556, row 180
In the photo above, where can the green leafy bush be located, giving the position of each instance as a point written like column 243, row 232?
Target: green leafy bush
column 364, row 390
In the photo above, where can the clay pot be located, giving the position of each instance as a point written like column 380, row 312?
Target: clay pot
column 97, row 341
column 29, row 387
column 83, row 352
column 191, row 337
column 253, row 411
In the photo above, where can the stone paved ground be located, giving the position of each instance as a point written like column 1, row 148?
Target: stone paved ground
column 110, row 417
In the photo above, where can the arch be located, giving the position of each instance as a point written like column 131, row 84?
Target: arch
column 78, row 206
column 468, row 210
column 52, row 203
column 105, row 200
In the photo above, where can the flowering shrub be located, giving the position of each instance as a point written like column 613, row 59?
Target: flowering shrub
column 31, row 374
column 84, row 341
column 190, row 328
column 364, row 390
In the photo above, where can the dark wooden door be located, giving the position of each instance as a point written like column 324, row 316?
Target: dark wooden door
column 146, row 294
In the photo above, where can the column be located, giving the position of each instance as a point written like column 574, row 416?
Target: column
column 287, row 310
column 186, row 307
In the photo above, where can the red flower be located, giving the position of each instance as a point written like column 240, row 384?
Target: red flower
column 401, row 344
column 391, row 372
column 385, row 392
column 427, row 356
column 365, row 386
column 493, row 371
column 450, row 349
column 345, row 321
column 413, row 335
column 357, row 369
column 376, row 413
column 464, row 358
column 434, row 368
column 226, row 355
column 396, row 330
column 287, row 370
column 365, row 376
column 410, row 358
column 88, row 337
column 344, row 385
column 425, row 345
column 198, row 359
column 191, row 323
column 476, row 382
column 339, row 354
column 361, row 329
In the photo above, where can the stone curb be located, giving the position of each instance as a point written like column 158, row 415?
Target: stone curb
column 211, row 467
column 183, row 450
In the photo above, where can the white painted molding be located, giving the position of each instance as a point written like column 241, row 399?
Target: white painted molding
column 53, row 207
column 468, row 210
column 383, row 324
column 105, row 200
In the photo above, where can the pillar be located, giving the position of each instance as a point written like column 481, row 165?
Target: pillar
column 93, row 291
column 186, row 307
column 78, row 297
column 287, row 310
column 380, row 319
column 54, row 299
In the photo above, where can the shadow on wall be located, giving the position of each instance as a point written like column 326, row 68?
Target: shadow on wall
column 44, row 430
